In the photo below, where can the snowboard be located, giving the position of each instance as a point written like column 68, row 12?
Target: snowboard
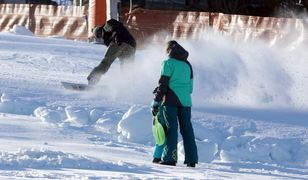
column 75, row 86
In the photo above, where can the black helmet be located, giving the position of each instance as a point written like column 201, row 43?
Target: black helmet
column 112, row 25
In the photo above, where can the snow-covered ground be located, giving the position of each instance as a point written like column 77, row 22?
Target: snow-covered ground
column 250, row 111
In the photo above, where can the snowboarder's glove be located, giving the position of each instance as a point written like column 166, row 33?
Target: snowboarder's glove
column 154, row 107
column 107, row 27
column 93, row 78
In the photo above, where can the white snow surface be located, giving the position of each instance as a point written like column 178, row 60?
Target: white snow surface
column 250, row 114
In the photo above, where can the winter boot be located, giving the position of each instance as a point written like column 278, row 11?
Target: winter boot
column 191, row 165
column 156, row 160
column 167, row 163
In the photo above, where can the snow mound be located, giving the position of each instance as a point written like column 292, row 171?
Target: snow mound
column 106, row 121
column 74, row 116
column 13, row 105
column 221, row 142
column 21, row 30
column 213, row 135
column 47, row 115
column 269, row 150
column 47, row 159
column 207, row 151
column 136, row 125
column 77, row 116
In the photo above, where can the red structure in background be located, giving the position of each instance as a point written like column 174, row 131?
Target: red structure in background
column 97, row 14
column 76, row 22
column 158, row 25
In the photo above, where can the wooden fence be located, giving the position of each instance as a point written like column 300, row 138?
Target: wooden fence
column 46, row 20
column 156, row 24
column 71, row 22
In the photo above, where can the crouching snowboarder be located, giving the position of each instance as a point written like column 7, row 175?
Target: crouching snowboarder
column 120, row 44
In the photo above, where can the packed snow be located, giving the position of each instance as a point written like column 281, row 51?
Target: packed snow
column 249, row 110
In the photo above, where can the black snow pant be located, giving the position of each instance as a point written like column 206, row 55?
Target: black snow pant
column 181, row 116
column 125, row 53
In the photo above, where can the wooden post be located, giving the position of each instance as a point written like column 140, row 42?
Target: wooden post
column 112, row 9
column 97, row 14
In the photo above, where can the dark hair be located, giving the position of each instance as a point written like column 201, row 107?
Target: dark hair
column 112, row 24
column 170, row 45
column 175, row 50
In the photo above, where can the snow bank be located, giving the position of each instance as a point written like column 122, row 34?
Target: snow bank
column 271, row 150
column 77, row 116
column 14, row 105
column 227, row 143
column 47, row 115
column 21, row 30
column 207, row 151
column 102, row 120
column 136, row 125
column 72, row 116
column 48, row 159
column 108, row 121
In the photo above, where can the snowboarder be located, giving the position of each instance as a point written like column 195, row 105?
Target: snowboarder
column 120, row 44
column 174, row 94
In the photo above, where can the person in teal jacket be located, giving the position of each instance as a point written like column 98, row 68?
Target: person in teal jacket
column 173, row 92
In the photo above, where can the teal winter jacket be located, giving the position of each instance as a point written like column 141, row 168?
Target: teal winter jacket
column 176, row 81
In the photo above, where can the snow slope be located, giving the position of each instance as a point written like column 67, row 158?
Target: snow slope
column 249, row 115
